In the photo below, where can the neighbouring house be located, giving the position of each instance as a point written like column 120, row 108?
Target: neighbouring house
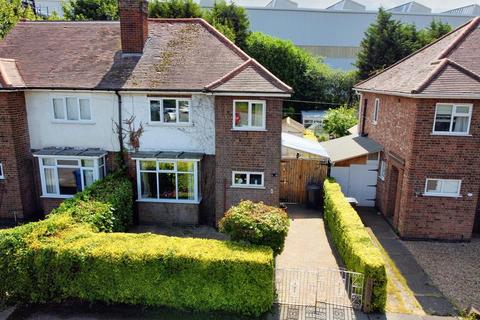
column 211, row 115
column 313, row 117
column 292, row 127
column 425, row 113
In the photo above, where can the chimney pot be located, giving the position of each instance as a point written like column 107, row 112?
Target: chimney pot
column 133, row 25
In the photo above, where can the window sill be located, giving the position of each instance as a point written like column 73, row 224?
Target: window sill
column 249, row 129
column 169, row 124
column 56, row 196
column 381, row 178
column 441, row 195
column 451, row 134
column 247, row 187
column 73, row 122
column 170, row 201
column 374, row 123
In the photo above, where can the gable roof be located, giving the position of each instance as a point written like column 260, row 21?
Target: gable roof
column 179, row 55
column 438, row 69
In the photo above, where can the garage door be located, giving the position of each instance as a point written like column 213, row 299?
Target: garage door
column 358, row 181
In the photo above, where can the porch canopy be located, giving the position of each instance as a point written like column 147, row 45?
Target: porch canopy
column 304, row 145
column 171, row 155
column 70, row 152
column 349, row 147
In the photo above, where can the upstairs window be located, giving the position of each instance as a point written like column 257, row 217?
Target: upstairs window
column 376, row 110
column 169, row 110
column 452, row 119
column 2, row 175
column 72, row 109
column 65, row 176
column 442, row 187
column 248, row 115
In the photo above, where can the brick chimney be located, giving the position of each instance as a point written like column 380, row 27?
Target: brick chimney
column 133, row 25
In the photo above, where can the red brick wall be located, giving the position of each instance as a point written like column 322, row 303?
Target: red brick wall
column 17, row 191
column 404, row 129
column 133, row 25
column 246, row 151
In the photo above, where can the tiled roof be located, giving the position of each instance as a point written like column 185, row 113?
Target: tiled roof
column 447, row 67
column 179, row 55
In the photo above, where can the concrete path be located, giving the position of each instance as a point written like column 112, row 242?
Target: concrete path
column 429, row 297
column 307, row 245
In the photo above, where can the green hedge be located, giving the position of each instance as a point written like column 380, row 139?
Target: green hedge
column 65, row 256
column 354, row 243
column 256, row 223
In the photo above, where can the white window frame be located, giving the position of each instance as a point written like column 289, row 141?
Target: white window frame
column 2, row 174
column 376, row 111
column 96, row 176
column 442, row 194
column 197, row 197
column 177, row 111
column 382, row 170
column 249, row 127
column 454, row 107
column 65, row 119
column 248, row 185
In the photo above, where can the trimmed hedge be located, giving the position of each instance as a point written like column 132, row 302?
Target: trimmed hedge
column 256, row 223
column 65, row 256
column 354, row 243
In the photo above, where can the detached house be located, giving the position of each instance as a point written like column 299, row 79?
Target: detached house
column 211, row 116
column 425, row 113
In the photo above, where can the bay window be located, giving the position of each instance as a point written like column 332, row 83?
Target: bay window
column 249, row 115
column 169, row 110
column 443, row 187
column 168, row 180
column 64, row 176
column 453, row 119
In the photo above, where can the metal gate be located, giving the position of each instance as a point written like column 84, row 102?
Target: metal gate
column 319, row 288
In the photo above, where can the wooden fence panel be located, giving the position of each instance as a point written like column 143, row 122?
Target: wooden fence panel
column 296, row 174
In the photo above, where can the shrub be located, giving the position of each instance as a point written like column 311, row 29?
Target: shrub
column 256, row 223
column 354, row 243
column 65, row 256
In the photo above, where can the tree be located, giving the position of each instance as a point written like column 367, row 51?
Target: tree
column 232, row 17
column 436, row 30
column 11, row 11
column 91, row 9
column 337, row 121
column 174, row 9
column 54, row 16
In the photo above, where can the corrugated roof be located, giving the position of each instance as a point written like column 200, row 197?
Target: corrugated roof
column 301, row 144
column 350, row 147
column 453, row 58
column 179, row 54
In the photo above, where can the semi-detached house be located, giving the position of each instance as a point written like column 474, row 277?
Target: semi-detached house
column 425, row 113
column 211, row 116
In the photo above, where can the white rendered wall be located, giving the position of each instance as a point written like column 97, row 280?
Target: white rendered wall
column 46, row 132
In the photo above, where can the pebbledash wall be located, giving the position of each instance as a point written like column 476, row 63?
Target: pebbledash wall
column 413, row 153
column 209, row 132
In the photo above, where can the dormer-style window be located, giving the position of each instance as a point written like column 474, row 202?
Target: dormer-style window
column 249, row 115
column 452, row 119
column 376, row 111
column 169, row 110
column 72, row 109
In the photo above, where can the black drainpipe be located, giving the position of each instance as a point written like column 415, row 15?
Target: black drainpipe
column 329, row 168
column 120, row 127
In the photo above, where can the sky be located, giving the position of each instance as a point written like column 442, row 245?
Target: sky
column 436, row 5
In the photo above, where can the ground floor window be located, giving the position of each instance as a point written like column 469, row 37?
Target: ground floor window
column 442, row 187
column 168, row 180
column 247, row 179
column 383, row 170
column 65, row 176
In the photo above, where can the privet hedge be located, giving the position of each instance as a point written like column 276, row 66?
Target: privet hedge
column 68, row 255
column 354, row 243
column 256, row 223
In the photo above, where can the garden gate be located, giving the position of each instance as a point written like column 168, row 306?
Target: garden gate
column 319, row 294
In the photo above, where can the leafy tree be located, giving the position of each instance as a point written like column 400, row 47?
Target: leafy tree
column 91, row 9
column 11, row 11
column 54, row 16
column 337, row 121
column 436, row 30
column 174, row 9
column 232, row 17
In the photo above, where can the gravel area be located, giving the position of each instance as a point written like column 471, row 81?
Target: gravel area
column 453, row 267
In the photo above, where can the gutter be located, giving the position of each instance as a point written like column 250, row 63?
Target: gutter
column 420, row 96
